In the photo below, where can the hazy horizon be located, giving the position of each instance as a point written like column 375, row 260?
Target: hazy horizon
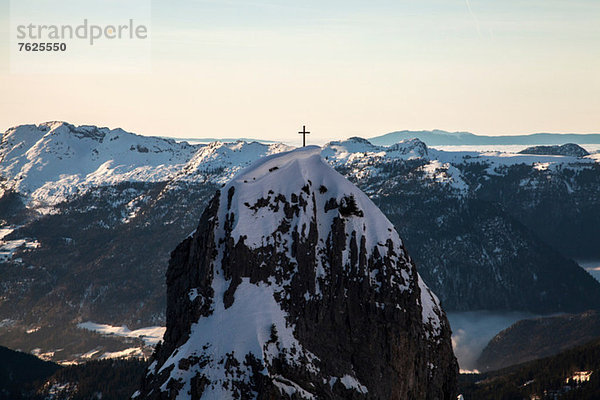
column 294, row 139
column 263, row 69
column 290, row 136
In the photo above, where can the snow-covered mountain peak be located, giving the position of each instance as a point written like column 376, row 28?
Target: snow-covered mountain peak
column 53, row 160
column 287, row 197
column 414, row 148
column 222, row 160
column 307, row 156
column 300, row 179
column 351, row 145
column 355, row 149
column 290, row 266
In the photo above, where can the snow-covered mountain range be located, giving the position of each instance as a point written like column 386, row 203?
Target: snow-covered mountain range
column 55, row 160
column 90, row 215
column 52, row 161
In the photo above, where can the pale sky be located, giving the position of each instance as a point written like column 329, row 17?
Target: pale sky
column 264, row 68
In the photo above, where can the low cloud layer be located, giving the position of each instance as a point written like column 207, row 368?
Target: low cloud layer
column 471, row 332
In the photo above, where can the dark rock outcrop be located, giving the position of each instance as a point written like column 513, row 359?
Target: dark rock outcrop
column 568, row 149
column 294, row 286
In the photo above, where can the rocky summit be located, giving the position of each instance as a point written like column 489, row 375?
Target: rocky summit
column 295, row 285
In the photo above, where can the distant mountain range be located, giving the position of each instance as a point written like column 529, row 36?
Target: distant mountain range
column 209, row 140
column 444, row 138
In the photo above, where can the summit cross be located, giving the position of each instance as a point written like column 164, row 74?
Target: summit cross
column 304, row 133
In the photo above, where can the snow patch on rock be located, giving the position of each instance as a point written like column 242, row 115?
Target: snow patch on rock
column 150, row 335
column 254, row 324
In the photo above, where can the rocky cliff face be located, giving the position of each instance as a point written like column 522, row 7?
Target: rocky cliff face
column 295, row 285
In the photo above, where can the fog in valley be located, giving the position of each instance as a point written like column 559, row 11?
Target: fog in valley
column 472, row 330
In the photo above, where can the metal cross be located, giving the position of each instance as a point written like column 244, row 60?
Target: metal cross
column 303, row 133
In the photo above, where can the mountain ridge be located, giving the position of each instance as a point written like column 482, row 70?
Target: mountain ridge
column 443, row 138
column 537, row 338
